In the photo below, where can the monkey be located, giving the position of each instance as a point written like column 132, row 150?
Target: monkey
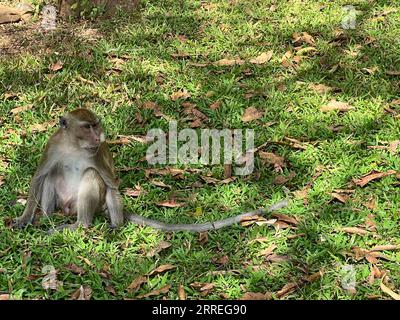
column 77, row 175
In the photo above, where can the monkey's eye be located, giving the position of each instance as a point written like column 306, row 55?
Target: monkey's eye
column 87, row 126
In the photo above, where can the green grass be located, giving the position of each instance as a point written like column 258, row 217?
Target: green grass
column 229, row 29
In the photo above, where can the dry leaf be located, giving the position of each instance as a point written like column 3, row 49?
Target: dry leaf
column 215, row 105
column 370, row 223
column 287, row 289
column 170, row 204
column 373, row 175
column 386, row 247
column 17, row 110
column 270, row 158
column 4, row 297
column 389, row 291
column 341, row 197
column 160, row 246
column 160, row 269
column 336, row 105
column 268, row 251
column 222, row 260
column 262, row 58
column 321, row 88
column 355, row 230
column 111, row 290
column 277, row 258
column 181, row 292
column 83, row 293
column 57, row 66
column 304, row 37
column 156, row 292
column 251, row 114
column 134, row 192
column 160, row 184
column 393, row 73
column 75, row 269
column 286, row 218
column 203, row 237
column 229, row 62
column 135, row 285
column 183, row 94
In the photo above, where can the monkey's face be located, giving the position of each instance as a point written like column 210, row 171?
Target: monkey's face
column 85, row 128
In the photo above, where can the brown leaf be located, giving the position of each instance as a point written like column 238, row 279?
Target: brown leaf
column 296, row 144
column 229, row 62
column 262, row 58
column 4, row 297
column 321, row 88
column 393, row 73
column 375, row 274
column 370, row 223
column 256, row 296
column 41, row 127
column 286, row 218
column 83, row 293
column 182, row 94
column 156, row 292
column 268, row 251
column 373, row 175
column 315, row 276
column 203, row 237
column 136, row 283
column 222, row 260
column 277, row 258
column 170, row 204
column 111, row 290
column 354, row 230
column 134, row 192
column 386, row 247
column 341, row 197
column 272, row 159
column 181, row 292
column 160, row 246
column 161, row 269
column 160, row 184
column 17, row 110
column 57, row 66
column 287, row 289
column 215, row 105
column 336, row 105
column 304, row 37
column 251, row 114
column 389, row 291
column 75, row 269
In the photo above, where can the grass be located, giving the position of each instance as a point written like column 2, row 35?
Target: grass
column 212, row 30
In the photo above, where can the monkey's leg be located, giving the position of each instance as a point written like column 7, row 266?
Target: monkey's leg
column 48, row 199
column 91, row 194
column 34, row 197
column 114, row 207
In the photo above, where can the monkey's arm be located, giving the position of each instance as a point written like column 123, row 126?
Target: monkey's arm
column 201, row 227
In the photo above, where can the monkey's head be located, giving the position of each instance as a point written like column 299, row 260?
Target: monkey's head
column 84, row 127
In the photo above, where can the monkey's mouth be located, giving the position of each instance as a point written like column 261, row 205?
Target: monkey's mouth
column 92, row 148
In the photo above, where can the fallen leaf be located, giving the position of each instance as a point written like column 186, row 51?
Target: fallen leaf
column 336, row 105
column 161, row 269
column 181, row 292
column 251, row 114
column 389, row 291
column 57, row 66
column 287, row 289
column 170, row 204
column 262, row 58
column 304, row 37
column 286, row 218
column 111, row 290
column 203, row 237
column 41, row 127
column 229, row 62
column 321, row 88
column 373, row 175
column 277, row 258
column 83, row 293
column 17, row 110
column 315, row 276
column 75, row 269
column 4, row 297
column 272, row 159
column 215, row 105
column 354, row 230
column 156, row 292
column 222, row 260
column 160, row 246
column 341, row 197
column 134, row 192
column 183, row 94
column 370, row 223
column 393, row 73
column 268, row 251
column 136, row 283
column 385, row 247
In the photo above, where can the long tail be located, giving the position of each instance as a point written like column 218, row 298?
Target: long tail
column 201, row 227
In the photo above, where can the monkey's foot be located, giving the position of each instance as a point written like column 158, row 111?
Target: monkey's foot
column 62, row 227
column 19, row 223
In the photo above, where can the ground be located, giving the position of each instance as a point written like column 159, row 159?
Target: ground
column 128, row 69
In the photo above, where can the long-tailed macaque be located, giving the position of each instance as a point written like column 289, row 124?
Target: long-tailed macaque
column 77, row 175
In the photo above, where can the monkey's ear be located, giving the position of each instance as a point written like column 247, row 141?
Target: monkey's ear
column 63, row 122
